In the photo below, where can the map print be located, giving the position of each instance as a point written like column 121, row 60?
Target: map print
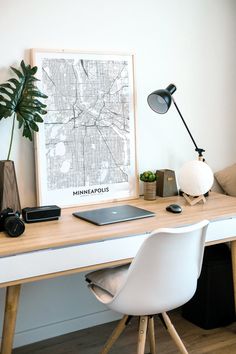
column 87, row 127
column 85, row 147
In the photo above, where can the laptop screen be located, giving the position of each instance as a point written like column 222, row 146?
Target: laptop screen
column 105, row 216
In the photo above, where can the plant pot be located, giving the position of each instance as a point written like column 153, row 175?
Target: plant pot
column 9, row 195
column 149, row 190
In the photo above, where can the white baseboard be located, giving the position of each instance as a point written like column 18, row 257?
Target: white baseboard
column 56, row 329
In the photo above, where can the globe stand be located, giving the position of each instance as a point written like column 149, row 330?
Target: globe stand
column 194, row 200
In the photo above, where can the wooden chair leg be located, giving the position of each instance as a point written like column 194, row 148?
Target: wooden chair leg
column 233, row 257
column 143, row 322
column 151, row 334
column 11, row 305
column 174, row 335
column 115, row 334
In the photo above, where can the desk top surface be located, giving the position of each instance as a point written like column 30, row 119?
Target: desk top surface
column 69, row 230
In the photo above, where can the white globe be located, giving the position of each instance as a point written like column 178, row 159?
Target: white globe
column 195, row 178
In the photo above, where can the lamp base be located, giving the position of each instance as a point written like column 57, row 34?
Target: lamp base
column 193, row 200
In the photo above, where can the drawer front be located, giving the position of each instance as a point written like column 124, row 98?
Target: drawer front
column 49, row 261
column 221, row 229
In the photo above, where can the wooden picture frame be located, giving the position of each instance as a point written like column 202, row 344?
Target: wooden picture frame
column 85, row 148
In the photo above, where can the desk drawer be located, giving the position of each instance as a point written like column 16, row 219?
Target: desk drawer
column 49, row 261
column 221, row 229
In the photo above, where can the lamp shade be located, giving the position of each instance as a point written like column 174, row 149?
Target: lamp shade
column 195, row 178
column 160, row 100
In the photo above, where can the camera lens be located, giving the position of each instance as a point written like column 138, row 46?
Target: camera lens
column 14, row 226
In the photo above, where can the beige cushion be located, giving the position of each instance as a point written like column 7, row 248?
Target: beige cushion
column 109, row 279
column 227, row 179
column 101, row 295
column 216, row 187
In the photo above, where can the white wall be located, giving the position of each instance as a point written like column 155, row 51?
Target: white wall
column 190, row 43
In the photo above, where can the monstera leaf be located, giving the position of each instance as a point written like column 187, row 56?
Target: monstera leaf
column 20, row 98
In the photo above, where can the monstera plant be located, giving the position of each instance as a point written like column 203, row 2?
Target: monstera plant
column 20, row 100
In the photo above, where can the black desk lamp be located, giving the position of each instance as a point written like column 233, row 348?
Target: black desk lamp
column 160, row 101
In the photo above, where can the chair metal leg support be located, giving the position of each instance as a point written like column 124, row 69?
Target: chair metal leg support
column 151, row 334
column 174, row 335
column 143, row 322
column 116, row 333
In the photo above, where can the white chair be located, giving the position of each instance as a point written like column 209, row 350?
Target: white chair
column 162, row 276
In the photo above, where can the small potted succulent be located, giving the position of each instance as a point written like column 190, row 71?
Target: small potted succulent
column 149, row 187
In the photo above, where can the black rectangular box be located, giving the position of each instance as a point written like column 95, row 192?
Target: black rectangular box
column 166, row 183
column 42, row 213
column 212, row 305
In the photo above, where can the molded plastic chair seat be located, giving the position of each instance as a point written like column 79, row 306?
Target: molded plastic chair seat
column 162, row 276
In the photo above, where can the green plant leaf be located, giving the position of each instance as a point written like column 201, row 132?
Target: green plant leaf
column 34, row 126
column 38, row 94
column 38, row 118
column 5, row 91
column 7, row 85
column 20, row 120
column 14, row 81
column 17, row 72
column 4, row 112
column 27, row 132
column 148, row 176
column 20, row 96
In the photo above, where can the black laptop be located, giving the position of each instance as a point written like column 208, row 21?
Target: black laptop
column 111, row 215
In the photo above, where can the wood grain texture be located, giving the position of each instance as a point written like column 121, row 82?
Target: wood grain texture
column 115, row 335
column 233, row 259
column 192, row 200
column 143, row 322
column 12, row 299
column 174, row 335
column 9, row 195
column 149, row 190
column 90, row 340
column 69, row 230
column 72, row 231
column 151, row 335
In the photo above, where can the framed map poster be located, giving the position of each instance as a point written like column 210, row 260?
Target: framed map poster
column 85, row 148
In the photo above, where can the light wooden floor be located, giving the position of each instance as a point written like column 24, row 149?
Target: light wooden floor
column 89, row 341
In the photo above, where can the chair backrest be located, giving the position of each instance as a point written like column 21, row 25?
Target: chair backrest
column 163, row 275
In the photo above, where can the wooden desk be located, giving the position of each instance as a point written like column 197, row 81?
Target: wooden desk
column 71, row 245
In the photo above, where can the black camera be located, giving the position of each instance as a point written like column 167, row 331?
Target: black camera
column 11, row 223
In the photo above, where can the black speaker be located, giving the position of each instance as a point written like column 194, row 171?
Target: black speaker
column 42, row 213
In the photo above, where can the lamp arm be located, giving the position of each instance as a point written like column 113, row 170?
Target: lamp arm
column 199, row 150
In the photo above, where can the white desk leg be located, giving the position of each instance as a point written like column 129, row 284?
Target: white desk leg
column 233, row 257
column 11, row 305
